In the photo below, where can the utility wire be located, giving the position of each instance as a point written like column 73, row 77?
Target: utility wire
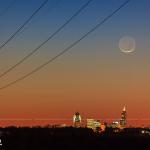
column 68, row 48
column 49, row 38
column 22, row 26
column 57, row 3
column 7, row 8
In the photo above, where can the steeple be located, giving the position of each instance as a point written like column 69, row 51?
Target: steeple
column 124, row 108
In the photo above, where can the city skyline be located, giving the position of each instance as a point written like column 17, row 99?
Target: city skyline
column 95, row 78
column 78, row 120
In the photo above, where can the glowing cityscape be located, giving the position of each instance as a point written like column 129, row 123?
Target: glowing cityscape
column 74, row 74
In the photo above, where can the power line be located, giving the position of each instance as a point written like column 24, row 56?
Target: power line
column 8, row 7
column 68, row 48
column 49, row 38
column 42, row 15
column 22, row 26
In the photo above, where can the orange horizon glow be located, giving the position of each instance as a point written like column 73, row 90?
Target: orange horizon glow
column 94, row 78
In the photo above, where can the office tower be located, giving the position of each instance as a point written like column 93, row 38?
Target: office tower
column 123, row 118
column 77, row 120
column 94, row 124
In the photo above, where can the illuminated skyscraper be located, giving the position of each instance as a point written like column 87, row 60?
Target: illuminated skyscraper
column 93, row 124
column 123, row 121
column 77, row 120
column 90, row 123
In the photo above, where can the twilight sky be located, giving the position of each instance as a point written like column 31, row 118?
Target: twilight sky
column 94, row 78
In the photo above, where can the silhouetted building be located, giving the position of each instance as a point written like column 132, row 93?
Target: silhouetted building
column 77, row 120
column 123, row 121
column 115, row 124
column 93, row 124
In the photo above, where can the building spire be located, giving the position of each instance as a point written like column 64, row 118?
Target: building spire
column 124, row 108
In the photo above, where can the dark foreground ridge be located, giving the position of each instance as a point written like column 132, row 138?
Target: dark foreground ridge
column 70, row 138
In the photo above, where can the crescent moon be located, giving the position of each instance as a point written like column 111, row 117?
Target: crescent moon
column 127, row 44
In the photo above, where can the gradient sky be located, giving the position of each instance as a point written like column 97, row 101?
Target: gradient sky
column 94, row 78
